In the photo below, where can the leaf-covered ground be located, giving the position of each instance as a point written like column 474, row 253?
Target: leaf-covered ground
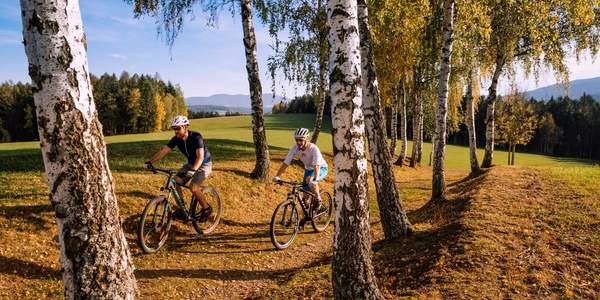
column 509, row 233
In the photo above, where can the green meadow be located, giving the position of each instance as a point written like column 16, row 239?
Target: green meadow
column 231, row 137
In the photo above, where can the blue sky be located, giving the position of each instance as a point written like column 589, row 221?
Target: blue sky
column 204, row 60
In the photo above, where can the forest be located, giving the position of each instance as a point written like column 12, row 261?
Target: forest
column 126, row 104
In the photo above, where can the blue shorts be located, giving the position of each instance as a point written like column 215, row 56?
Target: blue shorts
column 311, row 173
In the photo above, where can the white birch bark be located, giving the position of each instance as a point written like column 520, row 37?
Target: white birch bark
column 393, row 218
column 470, row 113
column 490, row 112
column 261, row 167
column 94, row 255
column 417, row 129
column 353, row 275
column 394, row 124
column 438, row 184
column 403, row 121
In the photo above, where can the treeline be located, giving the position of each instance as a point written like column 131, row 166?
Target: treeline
column 301, row 105
column 210, row 114
column 565, row 127
column 125, row 104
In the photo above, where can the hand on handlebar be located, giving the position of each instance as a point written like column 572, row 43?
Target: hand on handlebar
column 149, row 165
column 276, row 179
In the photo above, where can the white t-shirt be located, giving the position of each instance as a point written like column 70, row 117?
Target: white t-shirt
column 311, row 156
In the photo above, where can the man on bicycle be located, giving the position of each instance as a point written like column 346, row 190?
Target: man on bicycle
column 315, row 167
column 197, row 168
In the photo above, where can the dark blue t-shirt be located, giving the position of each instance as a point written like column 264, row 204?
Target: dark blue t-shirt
column 190, row 146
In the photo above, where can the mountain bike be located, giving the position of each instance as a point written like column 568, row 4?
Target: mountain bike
column 285, row 222
column 155, row 222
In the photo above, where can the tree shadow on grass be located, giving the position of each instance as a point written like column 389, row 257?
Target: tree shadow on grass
column 26, row 269
column 28, row 213
column 243, row 224
column 414, row 262
column 130, row 156
column 280, row 275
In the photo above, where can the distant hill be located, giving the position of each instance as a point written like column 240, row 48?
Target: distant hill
column 220, row 108
column 234, row 101
column 577, row 88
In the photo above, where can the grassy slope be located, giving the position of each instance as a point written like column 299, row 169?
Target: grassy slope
column 237, row 261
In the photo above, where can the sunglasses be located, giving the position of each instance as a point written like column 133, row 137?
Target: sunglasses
column 300, row 140
column 176, row 128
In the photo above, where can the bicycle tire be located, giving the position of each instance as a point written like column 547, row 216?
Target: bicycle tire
column 214, row 200
column 288, row 220
column 321, row 222
column 161, row 228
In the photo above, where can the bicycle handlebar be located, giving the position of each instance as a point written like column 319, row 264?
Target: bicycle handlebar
column 296, row 183
column 155, row 170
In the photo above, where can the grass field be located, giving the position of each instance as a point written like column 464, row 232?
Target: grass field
column 528, row 231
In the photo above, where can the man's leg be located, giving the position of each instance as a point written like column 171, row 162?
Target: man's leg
column 198, row 192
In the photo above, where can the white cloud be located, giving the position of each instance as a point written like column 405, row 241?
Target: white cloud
column 118, row 56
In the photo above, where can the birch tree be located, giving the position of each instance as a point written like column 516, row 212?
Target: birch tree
column 438, row 188
column 170, row 14
column 353, row 274
column 393, row 218
column 516, row 123
column 94, row 255
column 536, row 34
column 303, row 57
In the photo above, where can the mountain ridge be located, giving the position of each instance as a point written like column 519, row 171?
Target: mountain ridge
column 589, row 86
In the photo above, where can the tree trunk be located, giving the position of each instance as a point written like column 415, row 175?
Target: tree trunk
column 261, row 168
column 393, row 124
column 470, row 113
column 514, row 149
column 94, row 254
column 509, row 152
column 321, row 108
column 352, row 275
column 403, row 137
column 491, row 108
column 438, row 184
column 393, row 218
column 417, row 130
column 323, row 52
column 421, row 133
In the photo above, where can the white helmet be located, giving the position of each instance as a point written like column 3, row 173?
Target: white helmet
column 301, row 133
column 179, row 121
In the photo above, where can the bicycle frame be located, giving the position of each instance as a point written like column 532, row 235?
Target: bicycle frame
column 295, row 194
column 170, row 186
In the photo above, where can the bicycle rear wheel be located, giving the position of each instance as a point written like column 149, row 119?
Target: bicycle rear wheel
column 284, row 224
column 214, row 200
column 320, row 222
column 154, row 225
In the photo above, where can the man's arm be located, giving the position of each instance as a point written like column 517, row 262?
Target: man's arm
column 160, row 154
column 199, row 159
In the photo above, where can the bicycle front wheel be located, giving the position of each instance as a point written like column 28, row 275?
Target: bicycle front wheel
column 154, row 225
column 214, row 200
column 321, row 221
column 284, row 225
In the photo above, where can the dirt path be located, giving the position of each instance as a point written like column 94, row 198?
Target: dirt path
column 510, row 233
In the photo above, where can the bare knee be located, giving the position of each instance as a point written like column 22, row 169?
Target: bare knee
column 196, row 188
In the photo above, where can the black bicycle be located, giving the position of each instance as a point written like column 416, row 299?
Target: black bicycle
column 155, row 222
column 286, row 223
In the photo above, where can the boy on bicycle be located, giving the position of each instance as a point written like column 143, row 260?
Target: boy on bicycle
column 198, row 166
column 315, row 167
